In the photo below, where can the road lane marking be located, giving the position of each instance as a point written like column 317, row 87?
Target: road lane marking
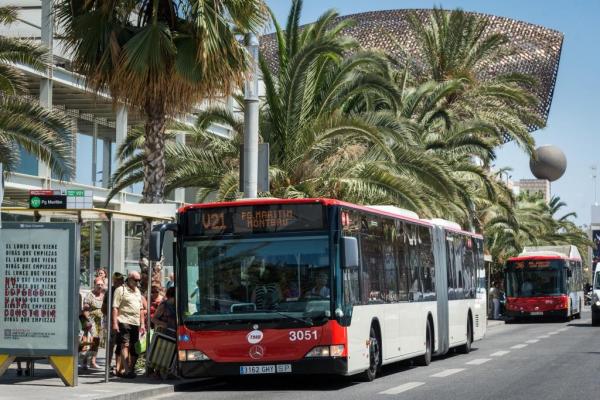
column 553, row 333
column 447, row 372
column 500, row 353
column 532, row 341
column 543, row 337
column 402, row 388
column 479, row 361
column 562, row 330
column 518, row 346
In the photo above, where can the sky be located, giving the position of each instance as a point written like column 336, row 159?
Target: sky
column 576, row 100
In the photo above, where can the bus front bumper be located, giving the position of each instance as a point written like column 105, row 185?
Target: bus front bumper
column 327, row 366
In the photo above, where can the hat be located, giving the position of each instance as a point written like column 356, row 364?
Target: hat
column 117, row 275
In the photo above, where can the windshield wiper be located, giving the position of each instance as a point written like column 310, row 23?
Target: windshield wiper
column 298, row 319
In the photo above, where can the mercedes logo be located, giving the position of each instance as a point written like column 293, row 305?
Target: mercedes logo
column 256, row 352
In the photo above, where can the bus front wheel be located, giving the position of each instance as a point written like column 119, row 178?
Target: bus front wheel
column 374, row 357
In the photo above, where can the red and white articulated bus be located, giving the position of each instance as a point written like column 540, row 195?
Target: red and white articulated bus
column 319, row 286
column 545, row 281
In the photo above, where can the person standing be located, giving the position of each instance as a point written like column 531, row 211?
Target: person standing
column 117, row 281
column 495, row 297
column 165, row 318
column 92, row 303
column 101, row 275
column 128, row 322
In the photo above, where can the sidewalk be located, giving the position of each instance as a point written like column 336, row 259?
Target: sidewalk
column 46, row 385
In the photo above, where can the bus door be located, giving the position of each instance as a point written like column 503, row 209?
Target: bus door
column 441, row 287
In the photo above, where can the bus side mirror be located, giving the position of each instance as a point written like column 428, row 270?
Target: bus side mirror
column 350, row 246
column 157, row 237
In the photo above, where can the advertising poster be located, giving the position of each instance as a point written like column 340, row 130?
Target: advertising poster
column 596, row 248
column 36, row 281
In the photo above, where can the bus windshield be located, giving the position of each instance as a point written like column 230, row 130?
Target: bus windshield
column 530, row 278
column 251, row 280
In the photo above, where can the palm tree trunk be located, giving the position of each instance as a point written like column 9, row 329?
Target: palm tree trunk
column 154, row 163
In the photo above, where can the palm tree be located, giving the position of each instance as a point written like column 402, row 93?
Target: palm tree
column 327, row 136
column 455, row 46
column 23, row 122
column 161, row 56
column 531, row 223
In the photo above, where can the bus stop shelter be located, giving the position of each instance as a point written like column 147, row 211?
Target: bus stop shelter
column 81, row 216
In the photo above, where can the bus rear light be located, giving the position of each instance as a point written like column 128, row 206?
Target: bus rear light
column 336, row 350
column 192, row 355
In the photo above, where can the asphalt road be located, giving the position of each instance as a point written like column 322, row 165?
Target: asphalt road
column 528, row 361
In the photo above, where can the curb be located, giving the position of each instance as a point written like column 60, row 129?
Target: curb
column 140, row 394
column 152, row 392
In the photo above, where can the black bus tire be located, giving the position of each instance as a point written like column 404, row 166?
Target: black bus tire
column 374, row 357
column 466, row 348
column 425, row 359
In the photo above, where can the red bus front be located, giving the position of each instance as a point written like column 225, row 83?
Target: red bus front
column 536, row 286
column 256, row 290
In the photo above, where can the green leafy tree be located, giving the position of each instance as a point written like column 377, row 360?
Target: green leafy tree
column 161, row 56
column 322, row 142
column 456, row 46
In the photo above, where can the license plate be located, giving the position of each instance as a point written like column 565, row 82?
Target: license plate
column 265, row 369
column 536, row 313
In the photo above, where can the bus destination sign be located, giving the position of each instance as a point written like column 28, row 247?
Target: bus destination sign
column 256, row 219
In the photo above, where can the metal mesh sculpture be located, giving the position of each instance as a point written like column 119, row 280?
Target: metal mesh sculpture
column 536, row 49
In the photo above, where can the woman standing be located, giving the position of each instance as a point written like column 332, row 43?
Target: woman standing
column 93, row 305
column 101, row 274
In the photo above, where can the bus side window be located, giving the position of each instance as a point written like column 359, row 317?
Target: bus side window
column 450, row 261
column 416, row 288
column 390, row 278
column 402, row 261
column 427, row 263
column 469, row 269
column 459, row 252
column 372, row 262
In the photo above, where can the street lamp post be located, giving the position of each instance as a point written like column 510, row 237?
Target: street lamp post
column 250, row 178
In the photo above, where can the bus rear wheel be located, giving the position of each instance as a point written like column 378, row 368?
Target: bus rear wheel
column 466, row 348
column 374, row 357
column 425, row 359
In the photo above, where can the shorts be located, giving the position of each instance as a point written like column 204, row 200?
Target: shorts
column 128, row 336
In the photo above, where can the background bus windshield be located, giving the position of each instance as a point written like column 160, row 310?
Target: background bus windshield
column 257, row 279
column 532, row 278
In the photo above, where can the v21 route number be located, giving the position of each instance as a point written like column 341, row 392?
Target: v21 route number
column 302, row 335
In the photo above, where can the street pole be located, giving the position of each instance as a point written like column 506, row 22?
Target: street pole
column 250, row 178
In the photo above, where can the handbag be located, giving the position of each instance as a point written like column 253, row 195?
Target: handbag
column 140, row 346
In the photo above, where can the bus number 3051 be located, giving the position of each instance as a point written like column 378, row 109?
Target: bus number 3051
column 303, row 335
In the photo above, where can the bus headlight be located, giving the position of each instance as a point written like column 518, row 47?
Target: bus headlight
column 335, row 350
column 192, row 355
column 598, row 303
